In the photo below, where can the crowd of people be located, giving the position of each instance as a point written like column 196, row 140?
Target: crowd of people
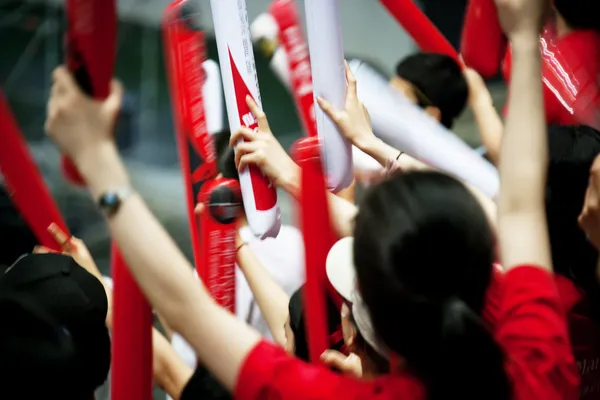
column 444, row 293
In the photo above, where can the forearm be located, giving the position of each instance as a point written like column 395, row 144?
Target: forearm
column 270, row 297
column 341, row 212
column 523, row 170
column 166, row 277
column 523, row 164
column 171, row 374
column 490, row 128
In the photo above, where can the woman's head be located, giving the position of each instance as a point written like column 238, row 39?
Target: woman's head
column 423, row 253
column 295, row 328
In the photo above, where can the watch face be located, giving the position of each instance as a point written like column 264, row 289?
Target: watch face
column 110, row 201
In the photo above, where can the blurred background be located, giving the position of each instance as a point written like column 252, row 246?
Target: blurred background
column 31, row 46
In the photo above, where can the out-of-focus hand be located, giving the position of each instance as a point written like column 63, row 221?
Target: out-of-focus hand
column 348, row 365
column 72, row 247
column 261, row 149
column 522, row 19
column 478, row 91
column 589, row 219
column 76, row 122
column 353, row 121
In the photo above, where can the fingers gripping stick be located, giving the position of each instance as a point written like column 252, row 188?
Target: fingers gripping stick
column 218, row 225
column 419, row 27
column 239, row 81
column 318, row 238
column 327, row 63
column 90, row 43
column 292, row 39
column 23, row 181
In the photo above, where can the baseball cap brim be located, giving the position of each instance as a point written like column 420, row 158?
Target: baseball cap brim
column 340, row 268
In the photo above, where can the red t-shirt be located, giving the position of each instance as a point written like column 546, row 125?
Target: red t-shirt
column 530, row 327
column 584, row 331
column 570, row 69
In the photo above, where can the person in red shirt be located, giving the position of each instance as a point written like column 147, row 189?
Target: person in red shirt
column 431, row 212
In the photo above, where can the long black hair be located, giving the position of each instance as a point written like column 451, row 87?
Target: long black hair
column 424, row 253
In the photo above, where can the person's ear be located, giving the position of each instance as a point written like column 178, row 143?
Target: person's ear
column 434, row 112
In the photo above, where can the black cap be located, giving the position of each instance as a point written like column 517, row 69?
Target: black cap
column 17, row 237
column 52, row 317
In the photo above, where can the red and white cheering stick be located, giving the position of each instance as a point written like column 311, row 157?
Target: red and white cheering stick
column 238, row 72
column 291, row 38
column 420, row 28
column 482, row 44
column 23, row 181
column 315, row 223
column 91, row 53
column 329, row 81
column 213, row 233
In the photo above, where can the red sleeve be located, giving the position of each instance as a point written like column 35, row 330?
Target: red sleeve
column 532, row 330
column 270, row 374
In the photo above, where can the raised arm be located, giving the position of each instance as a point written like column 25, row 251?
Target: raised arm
column 524, row 156
column 82, row 129
column 488, row 121
column 270, row 297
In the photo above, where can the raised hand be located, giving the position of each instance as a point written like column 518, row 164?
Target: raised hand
column 75, row 121
column 262, row 149
column 522, row 18
column 353, row 121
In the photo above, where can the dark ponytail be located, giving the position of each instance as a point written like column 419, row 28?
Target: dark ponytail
column 423, row 252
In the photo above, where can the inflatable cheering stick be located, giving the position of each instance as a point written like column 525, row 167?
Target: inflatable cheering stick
column 482, row 43
column 24, row 184
column 329, row 81
column 420, row 28
column 292, row 40
column 407, row 127
column 91, row 52
column 238, row 72
column 184, row 57
column 318, row 238
column 213, row 97
column 218, row 225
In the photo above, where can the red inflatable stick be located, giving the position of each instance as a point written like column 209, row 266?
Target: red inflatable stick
column 91, row 52
column 23, row 181
column 184, row 55
column 318, row 239
column 218, row 226
column 420, row 28
column 294, row 44
column 131, row 370
column 483, row 43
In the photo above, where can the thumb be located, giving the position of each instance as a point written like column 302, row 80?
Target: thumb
column 113, row 102
column 327, row 108
column 200, row 207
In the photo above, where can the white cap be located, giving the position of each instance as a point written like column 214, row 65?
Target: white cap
column 342, row 276
column 264, row 27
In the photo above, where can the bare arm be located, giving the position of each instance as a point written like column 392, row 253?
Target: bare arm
column 270, row 297
column 221, row 341
column 523, row 163
column 488, row 121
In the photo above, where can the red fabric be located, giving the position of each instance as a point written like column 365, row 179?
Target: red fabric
column 530, row 327
column 584, row 331
column 570, row 66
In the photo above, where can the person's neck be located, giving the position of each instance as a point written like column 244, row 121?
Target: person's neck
column 562, row 28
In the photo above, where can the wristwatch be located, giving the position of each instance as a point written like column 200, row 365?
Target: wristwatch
column 110, row 202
